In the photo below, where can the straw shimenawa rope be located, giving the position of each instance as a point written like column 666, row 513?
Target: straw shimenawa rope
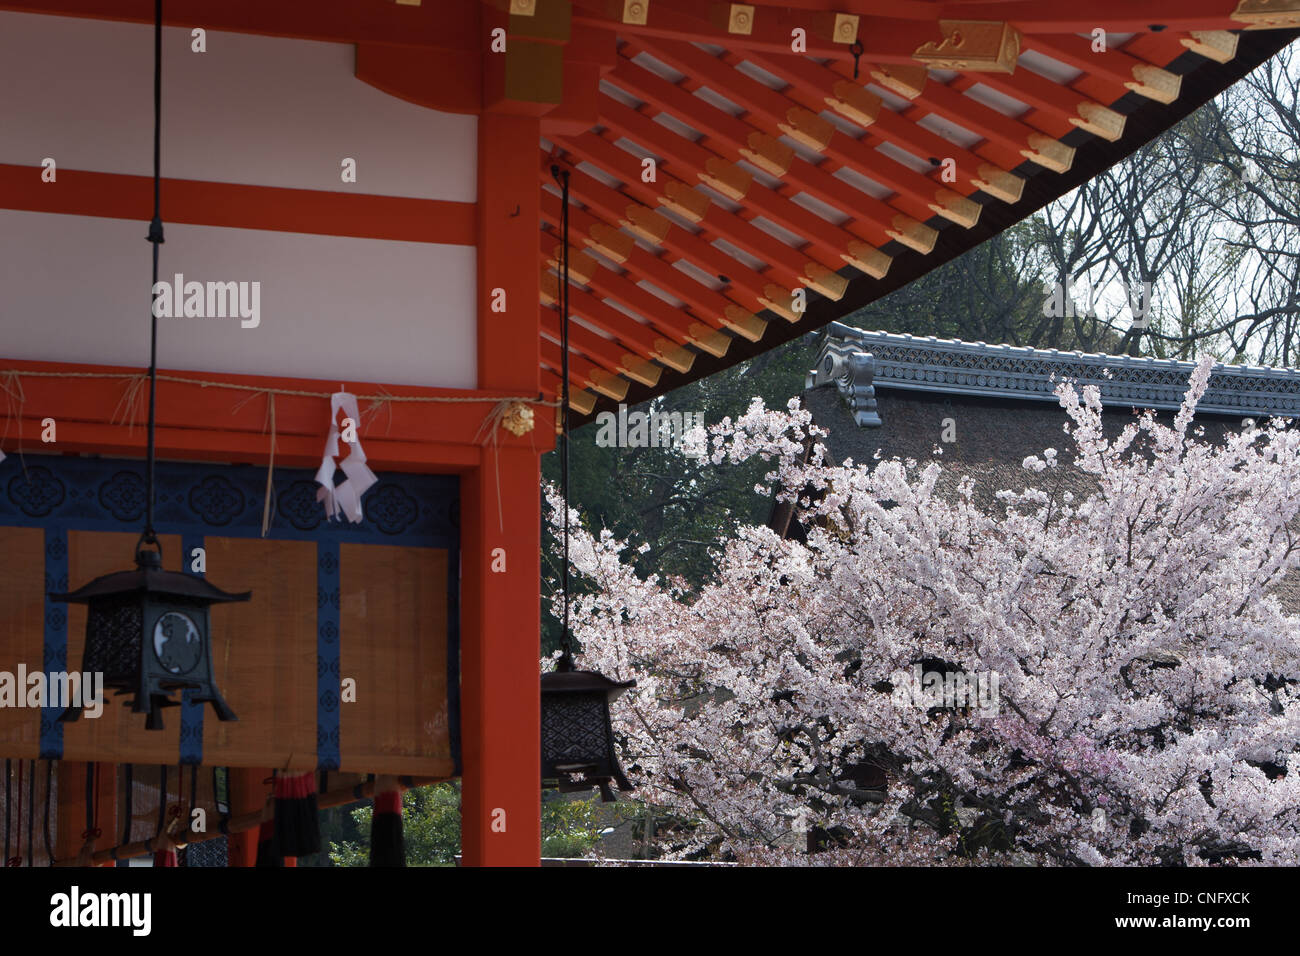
column 505, row 413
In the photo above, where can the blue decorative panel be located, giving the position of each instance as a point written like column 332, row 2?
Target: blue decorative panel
column 191, row 712
column 327, row 655
column 56, row 636
column 92, row 494
column 197, row 501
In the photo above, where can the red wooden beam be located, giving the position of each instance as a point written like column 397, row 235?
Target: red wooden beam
column 607, row 239
column 1004, row 137
column 196, row 202
column 894, row 38
column 825, row 242
column 1167, row 46
column 871, row 220
column 1053, row 108
column 668, row 319
column 581, row 401
column 681, row 20
column 451, row 81
column 582, row 373
column 917, row 194
column 1110, row 73
column 613, row 206
column 757, row 97
column 1114, row 16
column 787, row 265
column 500, row 680
column 221, row 424
column 639, row 338
column 811, row 85
column 1039, row 16
column 609, row 354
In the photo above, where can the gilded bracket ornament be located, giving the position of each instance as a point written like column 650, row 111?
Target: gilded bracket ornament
column 1268, row 14
column 989, row 46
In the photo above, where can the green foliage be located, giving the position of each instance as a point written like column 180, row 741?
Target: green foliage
column 431, row 828
column 680, row 506
column 993, row 293
column 570, row 828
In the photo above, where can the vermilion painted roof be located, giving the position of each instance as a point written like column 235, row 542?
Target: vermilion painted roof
column 832, row 150
column 777, row 170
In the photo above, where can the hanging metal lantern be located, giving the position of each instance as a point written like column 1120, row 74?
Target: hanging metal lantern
column 577, row 736
column 148, row 633
column 147, row 630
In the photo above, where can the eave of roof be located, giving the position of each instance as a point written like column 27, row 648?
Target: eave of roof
column 1201, row 80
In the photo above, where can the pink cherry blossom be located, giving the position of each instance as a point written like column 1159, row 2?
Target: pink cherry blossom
column 1145, row 663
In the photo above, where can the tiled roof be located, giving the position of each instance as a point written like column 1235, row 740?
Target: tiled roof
column 856, row 360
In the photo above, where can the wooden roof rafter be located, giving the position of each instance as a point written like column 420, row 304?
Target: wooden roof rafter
column 776, row 171
column 728, row 306
column 755, row 139
column 785, row 264
column 709, row 306
column 737, row 280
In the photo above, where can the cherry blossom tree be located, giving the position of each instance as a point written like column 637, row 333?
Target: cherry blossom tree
column 1137, row 674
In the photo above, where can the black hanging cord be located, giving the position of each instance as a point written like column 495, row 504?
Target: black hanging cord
column 218, row 777
column 565, row 662
column 130, row 793
column 857, row 50
column 92, row 831
column 49, row 793
column 31, row 814
column 162, row 800
column 155, row 237
column 8, row 805
column 91, row 770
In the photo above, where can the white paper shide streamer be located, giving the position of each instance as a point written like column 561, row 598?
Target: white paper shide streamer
column 344, row 499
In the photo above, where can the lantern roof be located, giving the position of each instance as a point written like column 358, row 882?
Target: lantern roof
column 150, row 580
column 576, row 682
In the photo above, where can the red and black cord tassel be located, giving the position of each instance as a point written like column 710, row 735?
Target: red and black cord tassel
column 297, row 823
column 387, row 845
column 267, row 852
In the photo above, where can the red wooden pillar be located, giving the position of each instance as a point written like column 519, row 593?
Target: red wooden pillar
column 501, row 520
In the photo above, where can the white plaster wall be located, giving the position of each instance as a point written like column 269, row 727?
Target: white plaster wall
column 77, row 289
column 255, row 110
